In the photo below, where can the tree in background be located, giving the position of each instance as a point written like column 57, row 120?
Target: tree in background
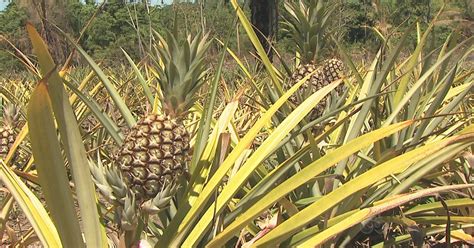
column 12, row 22
column 44, row 14
column 119, row 25
column 264, row 16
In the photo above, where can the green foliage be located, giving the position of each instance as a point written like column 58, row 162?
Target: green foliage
column 12, row 23
column 308, row 25
column 12, row 20
column 358, row 17
column 128, row 26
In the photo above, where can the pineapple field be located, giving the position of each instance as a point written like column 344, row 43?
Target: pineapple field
column 275, row 134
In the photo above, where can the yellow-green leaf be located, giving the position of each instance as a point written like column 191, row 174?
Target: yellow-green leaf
column 304, row 176
column 71, row 138
column 325, row 203
column 236, row 181
column 31, row 207
column 367, row 213
column 51, row 169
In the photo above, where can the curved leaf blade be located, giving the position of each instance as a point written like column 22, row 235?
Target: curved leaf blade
column 73, row 146
column 367, row 213
column 51, row 169
column 304, row 176
column 393, row 166
column 31, row 207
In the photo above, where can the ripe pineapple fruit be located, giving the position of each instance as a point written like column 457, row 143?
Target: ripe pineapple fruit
column 307, row 25
column 156, row 151
column 11, row 116
column 330, row 71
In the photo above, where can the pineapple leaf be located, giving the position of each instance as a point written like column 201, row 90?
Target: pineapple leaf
column 182, row 71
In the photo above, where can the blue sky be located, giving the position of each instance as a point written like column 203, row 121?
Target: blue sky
column 4, row 3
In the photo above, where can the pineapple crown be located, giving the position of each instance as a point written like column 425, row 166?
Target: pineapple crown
column 307, row 25
column 11, row 115
column 181, row 71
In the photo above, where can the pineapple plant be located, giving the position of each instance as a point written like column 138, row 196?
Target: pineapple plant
column 330, row 71
column 307, row 26
column 156, row 150
column 11, row 116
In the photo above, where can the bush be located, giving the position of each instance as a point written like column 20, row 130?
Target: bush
column 12, row 22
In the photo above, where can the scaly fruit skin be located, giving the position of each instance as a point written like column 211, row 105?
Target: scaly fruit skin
column 330, row 71
column 7, row 138
column 11, row 116
column 155, row 153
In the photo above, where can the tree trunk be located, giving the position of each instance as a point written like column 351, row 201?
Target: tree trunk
column 43, row 14
column 265, row 22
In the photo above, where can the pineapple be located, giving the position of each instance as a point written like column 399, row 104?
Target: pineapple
column 11, row 116
column 156, row 150
column 307, row 26
column 330, row 71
